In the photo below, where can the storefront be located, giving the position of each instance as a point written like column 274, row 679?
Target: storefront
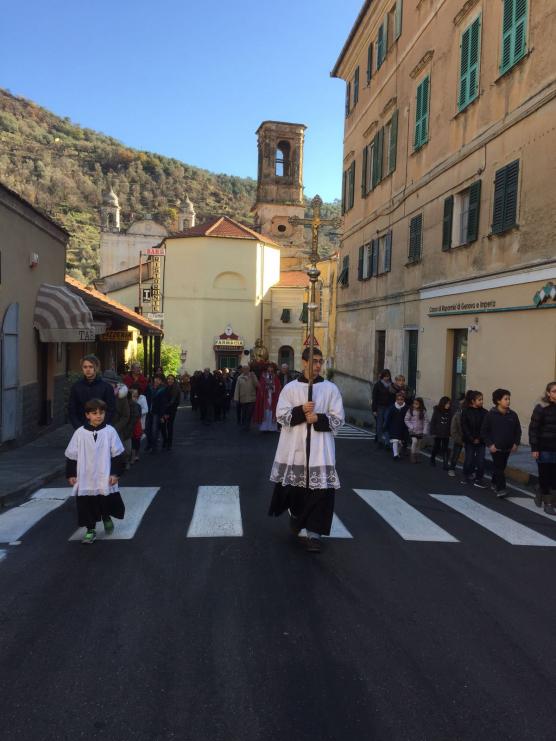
column 490, row 333
column 228, row 349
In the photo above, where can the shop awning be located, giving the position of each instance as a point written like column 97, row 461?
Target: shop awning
column 61, row 316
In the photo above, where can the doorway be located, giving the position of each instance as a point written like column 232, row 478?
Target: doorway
column 412, row 354
column 9, row 376
column 459, row 363
column 286, row 355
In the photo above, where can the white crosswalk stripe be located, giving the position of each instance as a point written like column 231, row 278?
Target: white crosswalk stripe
column 528, row 503
column 337, row 530
column 506, row 528
column 17, row 521
column 350, row 432
column 137, row 500
column 2, row 555
column 217, row 513
column 407, row 521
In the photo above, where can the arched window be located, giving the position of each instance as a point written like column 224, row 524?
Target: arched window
column 286, row 355
column 283, row 152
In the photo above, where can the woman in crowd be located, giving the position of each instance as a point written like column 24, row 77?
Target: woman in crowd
column 173, row 394
column 542, row 438
column 382, row 399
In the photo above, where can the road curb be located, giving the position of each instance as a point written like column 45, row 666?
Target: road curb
column 22, row 492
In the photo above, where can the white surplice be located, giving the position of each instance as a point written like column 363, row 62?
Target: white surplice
column 93, row 458
column 289, row 468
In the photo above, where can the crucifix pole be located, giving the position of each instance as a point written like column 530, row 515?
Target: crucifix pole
column 316, row 222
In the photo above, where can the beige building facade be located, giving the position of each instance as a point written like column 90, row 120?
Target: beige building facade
column 449, row 225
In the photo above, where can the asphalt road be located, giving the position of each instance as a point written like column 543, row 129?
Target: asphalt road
column 250, row 638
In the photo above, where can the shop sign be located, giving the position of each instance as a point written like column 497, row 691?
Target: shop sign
column 146, row 295
column 116, row 335
column 156, row 251
column 461, row 306
column 155, row 316
column 220, row 343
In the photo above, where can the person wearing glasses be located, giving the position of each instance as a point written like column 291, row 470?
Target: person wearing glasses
column 304, row 469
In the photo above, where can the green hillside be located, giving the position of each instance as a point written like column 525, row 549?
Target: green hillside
column 64, row 168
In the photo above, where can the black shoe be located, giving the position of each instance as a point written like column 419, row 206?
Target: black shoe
column 502, row 493
column 313, row 545
column 549, row 509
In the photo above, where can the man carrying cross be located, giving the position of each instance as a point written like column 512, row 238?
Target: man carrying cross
column 304, row 468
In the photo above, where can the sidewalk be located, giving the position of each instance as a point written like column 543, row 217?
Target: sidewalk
column 24, row 469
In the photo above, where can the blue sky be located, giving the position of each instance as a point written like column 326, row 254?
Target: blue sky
column 191, row 80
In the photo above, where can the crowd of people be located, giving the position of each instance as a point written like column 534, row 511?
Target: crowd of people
column 403, row 423
column 119, row 416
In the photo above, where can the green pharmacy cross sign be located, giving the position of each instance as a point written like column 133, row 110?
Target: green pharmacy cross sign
column 546, row 293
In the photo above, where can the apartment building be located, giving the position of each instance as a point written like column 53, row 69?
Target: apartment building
column 448, row 260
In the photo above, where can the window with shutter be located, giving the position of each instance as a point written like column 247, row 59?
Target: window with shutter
column 447, row 223
column 360, row 261
column 415, row 238
column 375, row 168
column 369, row 63
column 356, row 87
column 505, row 198
column 514, row 33
column 387, row 264
column 364, row 173
column 380, row 47
column 304, row 316
column 344, row 191
column 367, row 261
column 422, row 113
column 398, row 19
column 469, row 64
column 351, row 184
column 348, row 98
column 374, row 256
column 286, row 316
column 474, row 212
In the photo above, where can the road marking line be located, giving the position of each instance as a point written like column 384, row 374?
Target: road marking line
column 407, row 521
column 62, row 493
column 137, row 500
column 217, row 513
column 2, row 555
column 17, row 521
column 337, row 530
column 506, row 528
column 531, row 506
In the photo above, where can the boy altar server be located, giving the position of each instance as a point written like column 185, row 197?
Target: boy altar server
column 304, row 468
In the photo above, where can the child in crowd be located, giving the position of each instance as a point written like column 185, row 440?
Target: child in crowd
column 457, row 436
column 501, row 432
column 472, row 418
column 95, row 458
column 394, row 424
column 136, row 397
column 440, row 430
column 417, row 423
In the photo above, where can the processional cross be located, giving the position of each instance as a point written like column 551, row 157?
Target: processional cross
column 316, row 222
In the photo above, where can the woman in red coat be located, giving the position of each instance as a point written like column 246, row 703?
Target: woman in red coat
column 267, row 398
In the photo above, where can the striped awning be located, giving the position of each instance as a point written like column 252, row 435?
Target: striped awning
column 61, row 316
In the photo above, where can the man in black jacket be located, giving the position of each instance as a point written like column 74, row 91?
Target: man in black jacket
column 91, row 386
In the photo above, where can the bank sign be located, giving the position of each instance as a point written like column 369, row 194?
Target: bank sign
column 462, row 306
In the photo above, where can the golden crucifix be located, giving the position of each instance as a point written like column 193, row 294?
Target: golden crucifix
column 313, row 272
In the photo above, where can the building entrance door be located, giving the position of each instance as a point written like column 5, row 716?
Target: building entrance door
column 412, row 353
column 227, row 361
column 459, row 363
column 9, row 362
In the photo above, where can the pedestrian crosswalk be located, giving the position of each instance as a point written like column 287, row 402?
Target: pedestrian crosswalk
column 217, row 513
column 350, row 432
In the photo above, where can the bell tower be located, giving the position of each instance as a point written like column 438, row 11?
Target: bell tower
column 280, row 186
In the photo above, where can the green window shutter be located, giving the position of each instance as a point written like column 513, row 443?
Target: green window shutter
column 380, row 44
column 447, row 222
column 286, row 316
column 474, row 212
column 422, row 113
column 380, row 155
column 364, row 173
column 348, row 98
column 346, row 268
column 393, row 144
column 520, row 30
column 375, row 179
column 398, row 19
column 344, row 191
column 369, row 63
column 360, row 275
column 514, row 33
column 388, row 253
column 356, row 87
column 368, row 260
column 499, row 196
column 351, row 185
column 415, row 238
column 304, row 316
column 510, row 199
column 469, row 64
column 374, row 257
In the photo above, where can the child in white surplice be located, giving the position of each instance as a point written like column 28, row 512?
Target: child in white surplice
column 304, row 468
column 95, row 458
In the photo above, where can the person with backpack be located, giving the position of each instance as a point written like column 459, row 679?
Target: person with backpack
column 501, row 432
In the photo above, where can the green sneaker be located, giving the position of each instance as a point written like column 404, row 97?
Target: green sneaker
column 108, row 525
column 90, row 536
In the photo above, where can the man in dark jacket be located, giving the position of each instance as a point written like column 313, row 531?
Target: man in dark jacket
column 382, row 399
column 501, row 432
column 91, row 386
